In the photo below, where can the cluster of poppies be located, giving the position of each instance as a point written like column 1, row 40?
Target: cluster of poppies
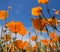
column 40, row 24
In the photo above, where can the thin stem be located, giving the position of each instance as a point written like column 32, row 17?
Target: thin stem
column 41, row 18
column 29, row 39
column 15, row 37
column 36, row 35
column 47, row 30
column 50, row 23
column 48, row 10
column 19, row 50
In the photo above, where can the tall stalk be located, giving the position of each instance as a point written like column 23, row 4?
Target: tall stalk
column 48, row 10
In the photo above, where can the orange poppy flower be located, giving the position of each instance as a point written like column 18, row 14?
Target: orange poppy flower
column 19, row 26
column 25, row 45
column 39, row 24
column 57, row 12
column 54, row 37
column 52, row 34
column 43, row 1
column 23, row 31
column 11, row 26
column 45, row 42
column 3, row 14
column 16, row 27
column 33, row 38
column 19, row 44
column 36, row 11
column 53, row 21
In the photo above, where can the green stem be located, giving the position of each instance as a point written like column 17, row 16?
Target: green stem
column 29, row 39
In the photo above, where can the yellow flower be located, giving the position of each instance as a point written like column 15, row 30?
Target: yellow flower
column 25, row 44
column 43, row 1
column 36, row 11
column 3, row 14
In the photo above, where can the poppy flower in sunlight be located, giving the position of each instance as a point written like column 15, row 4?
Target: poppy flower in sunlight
column 7, row 37
column 52, row 21
column 43, row 1
column 25, row 44
column 11, row 26
column 39, row 24
column 19, row 26
column 36, row 11
column 22, row 32
column 3, row 14
column 19, row 44
column 45, row 42
column 52, row 34
column 16, row 27
column 57, row 12
column 54, row 37
column 33, row 38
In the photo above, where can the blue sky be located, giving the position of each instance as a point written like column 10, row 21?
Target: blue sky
column 21, row 10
